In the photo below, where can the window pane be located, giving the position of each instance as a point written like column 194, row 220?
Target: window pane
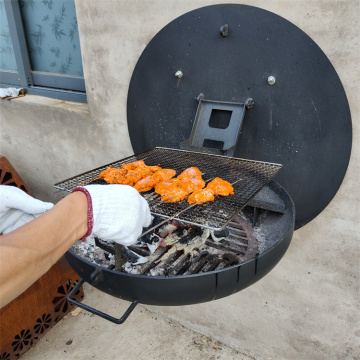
column 7, row 57
column 52, row 36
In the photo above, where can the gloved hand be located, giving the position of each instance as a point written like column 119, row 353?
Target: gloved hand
column 116, row 212
column 18, row 208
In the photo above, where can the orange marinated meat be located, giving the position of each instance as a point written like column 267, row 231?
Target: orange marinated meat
column 154, row 168
column 163, row 187
column 148, row 182
column 133, row 176
column 133, row 165
column 220, row 187
column 192, row 184
column 179, row 189
column 113, row 175
column 175, row 195
column 201, row 196
column 145, row 184
column 164, row 174
column 189, row 173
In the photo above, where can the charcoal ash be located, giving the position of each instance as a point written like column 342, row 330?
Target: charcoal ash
column 149, row 240
column 175, row 253
column 92, row 253
column 218, row 235
column 132, row 257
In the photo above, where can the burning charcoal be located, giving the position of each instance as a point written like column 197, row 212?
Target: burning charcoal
column 151, row 240
column 193, row 239
column 176, row 236
column 168, row 228
column 132, row 257
column 218, row 235
column 139, row 251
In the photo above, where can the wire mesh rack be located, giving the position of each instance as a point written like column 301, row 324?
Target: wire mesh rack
column 246, row 176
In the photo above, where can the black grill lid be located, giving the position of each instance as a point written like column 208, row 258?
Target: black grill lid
column 301, row 121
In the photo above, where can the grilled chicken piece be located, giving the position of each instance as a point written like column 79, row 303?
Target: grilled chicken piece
column 189, row 173
column 140, row 163
column 133, row 176
column 192, row 184
column 133, row 165
column 215, row 187
column 154, row 168
column 145, row 184
column 220, row 187
column 164, row 187
column 175, row 195
column 201, row 196
column 129, row 174
column 164, row 174
column 179, row 189
column 150, row 181
column 113, row 175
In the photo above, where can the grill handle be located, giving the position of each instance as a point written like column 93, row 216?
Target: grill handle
column 97, row 312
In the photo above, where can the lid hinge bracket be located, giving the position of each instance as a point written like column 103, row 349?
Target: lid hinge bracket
column 216, row 126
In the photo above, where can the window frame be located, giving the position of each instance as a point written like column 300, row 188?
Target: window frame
column 57, row 86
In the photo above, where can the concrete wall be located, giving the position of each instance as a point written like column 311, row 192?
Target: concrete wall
column 308, row 306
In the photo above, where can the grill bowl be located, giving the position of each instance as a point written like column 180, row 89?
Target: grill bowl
column 197, row 288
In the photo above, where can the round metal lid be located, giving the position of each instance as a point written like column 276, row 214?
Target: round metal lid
column 301, row 121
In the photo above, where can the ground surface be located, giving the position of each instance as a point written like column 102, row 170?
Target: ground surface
column 144, row 335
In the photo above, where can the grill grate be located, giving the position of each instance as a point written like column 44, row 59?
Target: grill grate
column 215, row 215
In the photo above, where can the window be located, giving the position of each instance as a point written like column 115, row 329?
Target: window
column 40, row 48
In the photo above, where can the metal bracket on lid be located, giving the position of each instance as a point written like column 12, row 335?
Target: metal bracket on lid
column 216, row 126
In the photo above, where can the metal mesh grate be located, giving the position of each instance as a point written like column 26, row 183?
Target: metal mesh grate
column 253, row 174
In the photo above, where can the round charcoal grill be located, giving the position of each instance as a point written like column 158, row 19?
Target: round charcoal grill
column 197, row 288
column 231, row 81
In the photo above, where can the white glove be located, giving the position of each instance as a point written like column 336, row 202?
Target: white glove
column 116, row 212
column 18, row 208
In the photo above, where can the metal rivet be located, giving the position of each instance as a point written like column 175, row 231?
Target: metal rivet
column 224, row 30
column 271, row 80
column 179, row 74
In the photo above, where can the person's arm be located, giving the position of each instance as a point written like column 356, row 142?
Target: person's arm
column 111, row 212
column 29, row 251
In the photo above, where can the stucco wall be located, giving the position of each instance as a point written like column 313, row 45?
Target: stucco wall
column 308, row 306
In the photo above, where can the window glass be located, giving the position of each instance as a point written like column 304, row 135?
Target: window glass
column 52, row 36
column 7, row 56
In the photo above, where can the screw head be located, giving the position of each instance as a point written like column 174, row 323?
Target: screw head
column 179, row 74
column 271, row 80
